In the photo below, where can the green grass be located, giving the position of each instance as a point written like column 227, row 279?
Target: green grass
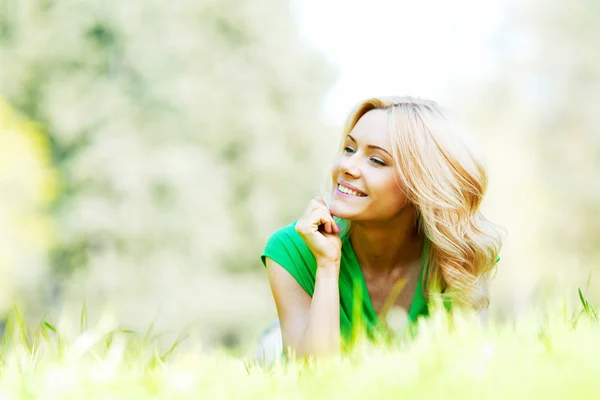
column 547, row 354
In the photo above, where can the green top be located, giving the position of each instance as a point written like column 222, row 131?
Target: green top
column 289, row 250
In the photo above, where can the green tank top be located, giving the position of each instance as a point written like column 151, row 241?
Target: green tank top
column 289, row 250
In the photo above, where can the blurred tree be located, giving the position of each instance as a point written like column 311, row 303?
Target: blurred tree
column 563, row 90
column 28, row 185
column 184, row 131
column 540, row 106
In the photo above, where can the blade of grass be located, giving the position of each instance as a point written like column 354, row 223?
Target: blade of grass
column 177, row 342
column 589, row 310
column 52, row 328
column 83, row 318
column 22, row 329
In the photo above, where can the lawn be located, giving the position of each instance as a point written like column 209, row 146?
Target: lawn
column 550, row 353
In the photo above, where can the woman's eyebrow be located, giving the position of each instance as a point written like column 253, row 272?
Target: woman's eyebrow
column 371, row 146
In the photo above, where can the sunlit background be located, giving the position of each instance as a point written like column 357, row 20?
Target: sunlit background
column 148, row 149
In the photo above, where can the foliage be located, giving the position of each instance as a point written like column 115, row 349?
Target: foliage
column 176, row 128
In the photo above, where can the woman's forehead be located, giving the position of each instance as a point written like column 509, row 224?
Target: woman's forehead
column 372, row 129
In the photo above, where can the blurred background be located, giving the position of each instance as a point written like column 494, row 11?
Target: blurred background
column 148, row 149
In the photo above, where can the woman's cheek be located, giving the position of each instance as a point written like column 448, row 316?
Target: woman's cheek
column 335, row 169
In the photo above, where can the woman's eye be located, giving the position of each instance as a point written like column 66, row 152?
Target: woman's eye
column 349, row 150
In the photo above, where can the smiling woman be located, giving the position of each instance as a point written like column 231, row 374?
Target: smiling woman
column 403, row 213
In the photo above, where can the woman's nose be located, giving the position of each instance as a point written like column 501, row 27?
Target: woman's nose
column 348, row 166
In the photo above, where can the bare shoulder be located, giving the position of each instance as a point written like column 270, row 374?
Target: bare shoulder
column 282, row 281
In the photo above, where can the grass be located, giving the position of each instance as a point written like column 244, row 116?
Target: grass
column 549, row 354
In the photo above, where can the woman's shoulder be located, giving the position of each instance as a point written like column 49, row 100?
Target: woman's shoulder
column 285, row 245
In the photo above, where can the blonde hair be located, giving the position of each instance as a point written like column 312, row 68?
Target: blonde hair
column 446, row 181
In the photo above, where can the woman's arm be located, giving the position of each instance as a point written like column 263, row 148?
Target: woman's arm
column 308, row 326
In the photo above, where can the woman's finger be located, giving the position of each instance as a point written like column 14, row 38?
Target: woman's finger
column 320, row 216
column 331, row 225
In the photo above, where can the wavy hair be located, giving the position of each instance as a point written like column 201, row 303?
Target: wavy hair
column 446, row 181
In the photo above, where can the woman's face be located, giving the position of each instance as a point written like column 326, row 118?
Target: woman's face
column 366, row 166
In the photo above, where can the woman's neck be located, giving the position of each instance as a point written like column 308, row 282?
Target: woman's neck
column 387, row 247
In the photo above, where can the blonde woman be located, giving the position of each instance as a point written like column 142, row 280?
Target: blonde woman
column 402, row 221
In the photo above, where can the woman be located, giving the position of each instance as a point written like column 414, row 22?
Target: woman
column 402, row 224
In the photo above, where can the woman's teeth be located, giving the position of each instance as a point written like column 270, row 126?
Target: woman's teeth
column 349, row 191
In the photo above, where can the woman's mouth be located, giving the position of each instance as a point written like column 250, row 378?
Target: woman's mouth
column 349, row 192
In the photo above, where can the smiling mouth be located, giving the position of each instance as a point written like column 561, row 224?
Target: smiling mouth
column 349, row 192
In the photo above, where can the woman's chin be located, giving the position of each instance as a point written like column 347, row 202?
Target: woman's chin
column 340, row 211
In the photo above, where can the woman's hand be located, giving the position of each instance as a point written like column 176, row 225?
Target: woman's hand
column 320, row 232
